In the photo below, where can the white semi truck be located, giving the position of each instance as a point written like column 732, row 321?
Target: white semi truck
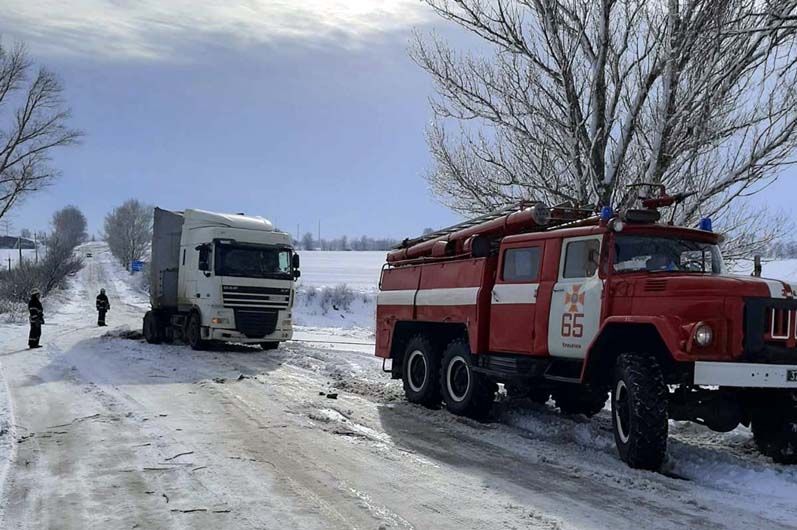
column 220, row 277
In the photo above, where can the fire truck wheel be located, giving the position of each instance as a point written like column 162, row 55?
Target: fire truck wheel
column 420, row 372
column 151, row 329
column 573, row 399
column 776, row 436
column 465, row 392
column 195, row 333
column 639, row 411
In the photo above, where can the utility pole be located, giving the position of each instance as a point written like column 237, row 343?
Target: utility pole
column 19, row 245
column 319, row 235
column 9, row 262
column 36, row 246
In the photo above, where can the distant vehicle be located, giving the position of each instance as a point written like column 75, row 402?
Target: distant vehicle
column 568, row 304
column 220, row 277
column 89, row 255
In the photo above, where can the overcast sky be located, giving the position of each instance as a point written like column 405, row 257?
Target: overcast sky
column 298, row 110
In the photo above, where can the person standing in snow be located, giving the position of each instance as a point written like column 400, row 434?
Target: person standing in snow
column 36, row 319
column 103, row 306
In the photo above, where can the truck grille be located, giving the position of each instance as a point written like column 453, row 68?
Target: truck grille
column 238, row 296
column 770, row 330
column 780, row 324
column 255, row 323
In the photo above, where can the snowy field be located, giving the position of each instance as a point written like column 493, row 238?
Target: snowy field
column 358, row 270
column 316, row 301
column 101, row 430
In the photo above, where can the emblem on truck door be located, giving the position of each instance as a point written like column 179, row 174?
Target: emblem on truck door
column 572, row 325
column 575, row 298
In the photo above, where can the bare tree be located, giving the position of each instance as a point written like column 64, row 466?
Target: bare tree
column 307, row 241
column 128, row 231
column 70, row 225
column 32, row 104
column 579, row 99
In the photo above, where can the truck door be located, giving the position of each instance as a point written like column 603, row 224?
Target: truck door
column 577, row 297
column 514, row 299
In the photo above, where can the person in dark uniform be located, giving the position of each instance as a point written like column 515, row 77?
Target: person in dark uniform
column 36, row 319
column 103, row 306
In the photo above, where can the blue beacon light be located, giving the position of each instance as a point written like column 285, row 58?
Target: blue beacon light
column 705, row 224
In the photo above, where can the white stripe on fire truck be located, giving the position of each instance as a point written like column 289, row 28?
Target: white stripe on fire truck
column 519, row 293
column 406, row 297
column 430, row 297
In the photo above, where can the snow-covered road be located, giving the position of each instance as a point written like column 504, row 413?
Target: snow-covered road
column 110, row 432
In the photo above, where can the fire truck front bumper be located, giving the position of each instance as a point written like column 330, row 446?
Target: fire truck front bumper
column 745, row 375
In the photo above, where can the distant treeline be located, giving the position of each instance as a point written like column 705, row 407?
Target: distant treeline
column 308, row 242
column 782, row 249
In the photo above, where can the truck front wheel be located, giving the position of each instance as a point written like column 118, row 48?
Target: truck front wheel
column 420, row 372
column 465, row 392
column 195, row 333
column 151, row 328
column 639, row 411
column 775, row 432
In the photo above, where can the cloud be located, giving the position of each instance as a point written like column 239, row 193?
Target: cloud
column 163, row 29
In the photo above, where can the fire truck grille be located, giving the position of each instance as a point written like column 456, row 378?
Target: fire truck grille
column 255, row 323
column 770, row 330
column 236, row 296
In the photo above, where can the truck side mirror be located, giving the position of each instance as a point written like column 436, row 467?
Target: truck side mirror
column 295, row 262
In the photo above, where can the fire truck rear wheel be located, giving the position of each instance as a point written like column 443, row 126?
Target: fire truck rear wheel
column 639, row 411
column 775, row 434
column 465, row 392
column 421, row 372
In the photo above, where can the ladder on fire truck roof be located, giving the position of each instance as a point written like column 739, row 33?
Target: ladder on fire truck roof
column 570, row 214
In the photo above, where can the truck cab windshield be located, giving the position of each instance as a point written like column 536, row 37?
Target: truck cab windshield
column 639, row 253
column 253, row 261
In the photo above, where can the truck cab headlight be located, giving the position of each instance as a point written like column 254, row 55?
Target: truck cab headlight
column 219, row 320
column 704, row 335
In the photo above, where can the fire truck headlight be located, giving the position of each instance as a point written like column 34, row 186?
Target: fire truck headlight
column 704, row 335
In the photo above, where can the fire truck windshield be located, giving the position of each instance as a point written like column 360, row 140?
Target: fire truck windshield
column 253, row 261
column 638, row 253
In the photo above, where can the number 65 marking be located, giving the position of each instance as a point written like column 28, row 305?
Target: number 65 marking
column 572, row 325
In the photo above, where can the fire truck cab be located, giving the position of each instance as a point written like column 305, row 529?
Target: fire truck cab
column 567, row 305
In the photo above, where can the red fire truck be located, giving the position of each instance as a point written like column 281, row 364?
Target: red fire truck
column 574, row 306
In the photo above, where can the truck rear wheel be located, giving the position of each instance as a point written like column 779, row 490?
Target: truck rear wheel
column 421, row 372
column 639, row 411
column 465, row 392
column 775, row 432
column 195, row 333
column 151, row 328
